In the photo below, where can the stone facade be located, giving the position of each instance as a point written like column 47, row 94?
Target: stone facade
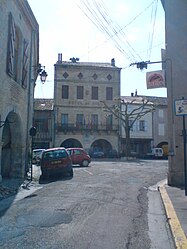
column 79, row 88
column 176, row 73
column 44, row 123
column 19, row 54
column 154, row 132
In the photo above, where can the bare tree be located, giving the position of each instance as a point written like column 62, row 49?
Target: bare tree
column 128, row 116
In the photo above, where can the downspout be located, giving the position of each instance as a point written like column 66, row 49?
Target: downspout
column 28, row 147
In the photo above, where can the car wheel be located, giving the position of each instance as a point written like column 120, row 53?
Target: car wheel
column 70, row 173
column 85, row 163
column 43, row 177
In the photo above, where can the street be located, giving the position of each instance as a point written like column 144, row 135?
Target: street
column 108, row 205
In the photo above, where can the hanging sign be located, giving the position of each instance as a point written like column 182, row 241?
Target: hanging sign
column 181, row 107
column 155, row 79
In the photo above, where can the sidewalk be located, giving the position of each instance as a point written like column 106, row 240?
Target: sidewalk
column 11, row 187
column 175, row 203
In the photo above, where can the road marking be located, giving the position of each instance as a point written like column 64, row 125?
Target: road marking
column 176, row 229
column 88, row 172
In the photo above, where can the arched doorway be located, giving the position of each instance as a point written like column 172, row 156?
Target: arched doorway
column 164, row 146
column 6, row 151
column 71, row 143
column 102, row 145
column 11, row 154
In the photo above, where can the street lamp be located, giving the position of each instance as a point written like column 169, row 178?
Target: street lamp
column 43, row 75
column 8, row 120
column 41, row 71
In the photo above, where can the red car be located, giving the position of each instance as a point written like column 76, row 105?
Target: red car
column 79, row 156
column 56, row 161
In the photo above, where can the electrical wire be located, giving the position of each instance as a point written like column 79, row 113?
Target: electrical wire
column 151, row 35
column 98, row 14
column 109, row 28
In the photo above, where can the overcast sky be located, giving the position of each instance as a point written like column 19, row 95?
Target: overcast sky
column 97, row 31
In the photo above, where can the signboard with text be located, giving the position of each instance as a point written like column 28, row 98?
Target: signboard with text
column 155, row 79
column 181, row 107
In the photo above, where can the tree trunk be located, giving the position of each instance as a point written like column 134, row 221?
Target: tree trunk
column 128, row 144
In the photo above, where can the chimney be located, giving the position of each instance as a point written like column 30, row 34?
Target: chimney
column 132, row 94
column 59, row 59
column 113, row 62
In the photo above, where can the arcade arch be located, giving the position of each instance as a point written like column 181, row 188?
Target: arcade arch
column 71, row 143
column 99, row 145
column 164, row 146
column 11, row 147
column 102, row 145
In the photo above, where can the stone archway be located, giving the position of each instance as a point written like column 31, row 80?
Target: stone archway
column 102, row 145
column 6, row 151
column 71, row 143
column 164, row 146
column 11, row 154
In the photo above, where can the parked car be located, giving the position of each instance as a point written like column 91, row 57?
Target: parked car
column 97, row 154
column 112, row 154
column 79, row 156
column 56, row 161
column 37, row 155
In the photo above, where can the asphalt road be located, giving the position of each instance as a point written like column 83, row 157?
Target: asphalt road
column 108, row 205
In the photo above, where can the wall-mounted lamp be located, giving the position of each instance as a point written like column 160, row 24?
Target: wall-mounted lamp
column 41, row 71
column 2, row 123
column 43, row 75
column 9, row 120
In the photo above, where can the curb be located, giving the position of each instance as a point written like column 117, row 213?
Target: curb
column 175, row 226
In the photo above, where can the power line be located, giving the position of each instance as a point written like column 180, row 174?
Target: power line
column 99, row 16
column 151, row 35
column 104, row 26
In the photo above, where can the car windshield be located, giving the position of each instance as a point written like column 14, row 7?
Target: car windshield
column 37, row 152
column 51, row 155
column 69, row 152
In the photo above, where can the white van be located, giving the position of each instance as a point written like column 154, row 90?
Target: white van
column 156, row 153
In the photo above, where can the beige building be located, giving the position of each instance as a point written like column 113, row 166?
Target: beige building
column 160, row 123
column 19, row 53
column 141, row 132
column 150, row 131
column 79, row 88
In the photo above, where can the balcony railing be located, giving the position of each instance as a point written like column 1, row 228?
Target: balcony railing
column 85, row 127
column 43, row 136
